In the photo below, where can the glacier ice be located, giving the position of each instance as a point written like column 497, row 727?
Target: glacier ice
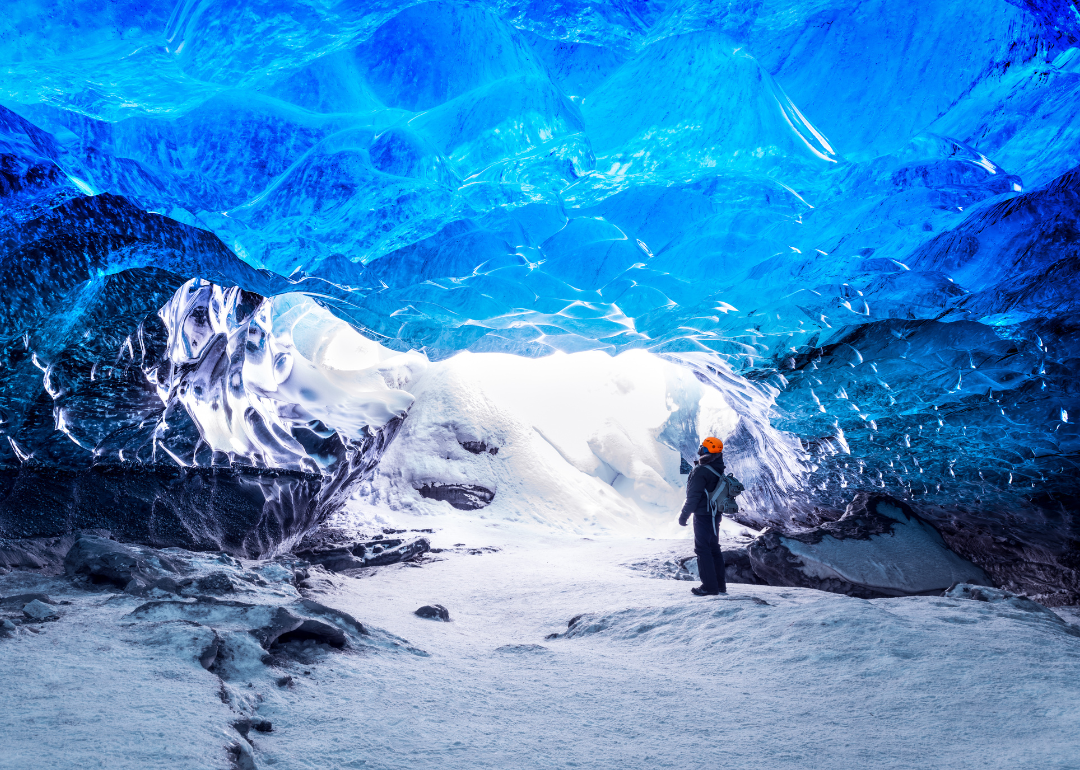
column 858, row 220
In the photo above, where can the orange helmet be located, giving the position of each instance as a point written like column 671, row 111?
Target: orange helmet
column 713, row 444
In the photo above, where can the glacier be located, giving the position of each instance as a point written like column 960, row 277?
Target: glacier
column 317, row 313
column 251, row 249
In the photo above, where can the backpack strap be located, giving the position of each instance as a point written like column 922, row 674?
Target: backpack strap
column 720, row 489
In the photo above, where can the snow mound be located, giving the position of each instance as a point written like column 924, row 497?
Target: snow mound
column 584, row 443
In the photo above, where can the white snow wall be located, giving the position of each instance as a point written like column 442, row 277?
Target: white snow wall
column 579, row 442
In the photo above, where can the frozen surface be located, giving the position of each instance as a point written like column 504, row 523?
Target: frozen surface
column 648, row 676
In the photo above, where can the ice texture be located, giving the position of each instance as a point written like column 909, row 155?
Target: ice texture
column 866, row 210
column 270, row 383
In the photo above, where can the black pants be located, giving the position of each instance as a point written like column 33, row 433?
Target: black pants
column 710, row 559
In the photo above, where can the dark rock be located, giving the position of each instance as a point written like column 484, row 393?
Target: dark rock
column 246, row 725
column 144, row 586
column 209, row 655
column 286, row 627
column 404, row 551
column 37, row 553
column 271, row 626
column 284, row 681
column 739, row 568
column 38, row 611
column 478, row 447
column 879, row 547
column 335, row 560
column 339, row 550
column 464, row 497
column 215, row 583
column 104, row 561
column 434, row 612
column 337, row 617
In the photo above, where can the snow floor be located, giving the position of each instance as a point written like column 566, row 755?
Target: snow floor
column 650, row 677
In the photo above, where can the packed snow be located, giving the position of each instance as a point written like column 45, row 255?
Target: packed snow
column 646, row 676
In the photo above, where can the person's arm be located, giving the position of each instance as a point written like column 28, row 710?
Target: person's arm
column 695, row 488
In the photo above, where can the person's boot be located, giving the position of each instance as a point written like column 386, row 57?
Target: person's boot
column 700, row 591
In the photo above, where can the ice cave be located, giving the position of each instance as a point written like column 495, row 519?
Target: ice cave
column 355, row 357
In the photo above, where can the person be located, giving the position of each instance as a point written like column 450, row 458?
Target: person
column 701, row 483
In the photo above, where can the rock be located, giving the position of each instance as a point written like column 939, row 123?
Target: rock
column 38, row 553
column 738, row 568
column 7, row 629
column 434, row 612
column 284, row 626
column 522, row 648
column 267, row 625
column 136, row 569
column 392, row 554
column 245, row 726
column 20, row 600
column 338, row 550
column 464, row 497
column 879, row 547
column 140, row 586
column 209, row 654
column 243, row 758
column 103, row 561
column 478, row 447
column 38, row 610
column 337, row 617
column 215, row 583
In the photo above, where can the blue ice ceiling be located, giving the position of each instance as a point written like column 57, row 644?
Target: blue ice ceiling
column 868, row 207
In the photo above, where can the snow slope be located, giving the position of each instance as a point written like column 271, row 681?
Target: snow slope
column 582, row 442
column 649, row 677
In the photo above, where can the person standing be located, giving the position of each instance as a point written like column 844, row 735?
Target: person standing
column 701, row 483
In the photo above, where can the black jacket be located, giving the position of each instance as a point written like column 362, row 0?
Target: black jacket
column 700, row 484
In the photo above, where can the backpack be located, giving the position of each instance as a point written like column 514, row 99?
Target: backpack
column 722, row 499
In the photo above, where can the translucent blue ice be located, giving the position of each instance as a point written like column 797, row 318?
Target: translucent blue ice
column 801, row 188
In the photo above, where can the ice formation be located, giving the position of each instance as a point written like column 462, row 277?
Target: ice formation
column 854, row 223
